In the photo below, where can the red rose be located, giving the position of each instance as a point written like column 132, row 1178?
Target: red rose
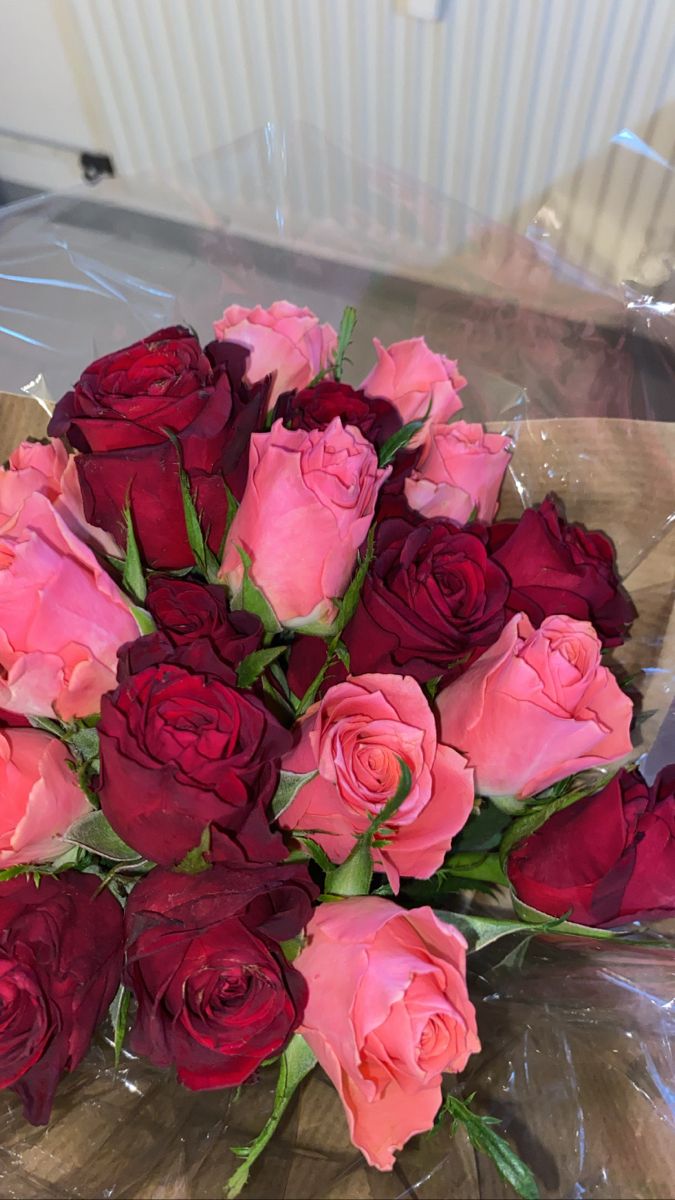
column 315, row 407
column 431, row 599
column 432, row 596
column 60, row 966
column 184, row 750
column 185, row 611
column 215, row 994
column 250, row 402
column 557, row 568
column 117, row 416
column 10, row 720
column 606, row 860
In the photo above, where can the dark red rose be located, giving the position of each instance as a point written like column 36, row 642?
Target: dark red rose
column 185, row 611
column 249, row 409
column 307, row 657
column 432, row 597
column 607, row 860
column 184, row 750
column 558, row 568
column 315, row 408
column 215, row 994
column 10, row 720
column 129, row 397
column 60, row 966
column 117, row 416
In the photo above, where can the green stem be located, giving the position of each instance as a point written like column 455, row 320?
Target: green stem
column 296, row 1062
column 471, row 865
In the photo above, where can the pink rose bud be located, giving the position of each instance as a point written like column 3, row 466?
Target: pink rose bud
column 50, row 470
column 388, row 1013
column 307, row 507
column 416, row 381
column 40, row 797
column 284, row 341
column 536, row 707
column 62, row 618
column 460, row 471
column 354, row 738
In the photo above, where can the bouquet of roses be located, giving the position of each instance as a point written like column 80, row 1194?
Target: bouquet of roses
column 278, row 693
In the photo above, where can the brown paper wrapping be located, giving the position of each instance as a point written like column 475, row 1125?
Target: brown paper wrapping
column 140, row 1135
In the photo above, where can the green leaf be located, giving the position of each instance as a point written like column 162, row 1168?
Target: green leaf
column 306, row 701
column 287, row 789
column 348, row 604
column 532, row 916
column 252, row 599
column 254, row 664
column 133, row 577
column 443, row 886
column 12, row 872
column 232, row 509
column 316, row 851
column 483, row 931
column 393, row 804
column 431, row 686
column 85, row 742
column 194, row 862
column 291, row 949
column 353, row 877
column 57, row 728
column 94, row 833
column 204, row 558
column 483, row 1138
column 119, row 1014
column 296, row 1062
column 143, row 619
column 480, row 866
column 342, row 653
column 400, row 439
column 345, row 334
column 484, row 830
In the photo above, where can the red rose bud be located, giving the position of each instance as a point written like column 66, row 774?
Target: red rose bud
column 606, row 860
column 185, row 611
column 215, row 994
column 186, row 755
column 315, row 407
column 432, row 597
column 117, row 416
column 60, row 966
column 250, row 402
column 558, row 568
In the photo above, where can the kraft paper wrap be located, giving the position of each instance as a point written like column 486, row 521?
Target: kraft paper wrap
column 573, row 1046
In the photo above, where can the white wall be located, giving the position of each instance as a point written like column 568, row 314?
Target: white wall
column 495, row 103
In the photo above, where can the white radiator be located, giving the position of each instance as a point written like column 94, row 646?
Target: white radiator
column 505, row 105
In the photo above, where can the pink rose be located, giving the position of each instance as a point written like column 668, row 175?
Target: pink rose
column 307, row 507
column 354, row 739
column 40, row 797
column 62, row 618
column 284, row 341
column 388, row 1012
column 536, row 707
column 410, row 376
column 461, row 469
column 49, row 469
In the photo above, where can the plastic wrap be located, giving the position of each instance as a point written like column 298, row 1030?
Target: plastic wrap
column 577, row 1039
